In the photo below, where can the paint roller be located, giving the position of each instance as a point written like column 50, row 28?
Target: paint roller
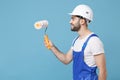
column 43, row 24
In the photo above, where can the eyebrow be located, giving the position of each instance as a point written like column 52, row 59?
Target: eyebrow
column 73, row 17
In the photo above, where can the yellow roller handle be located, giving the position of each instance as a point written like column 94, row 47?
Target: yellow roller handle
column 47, row 41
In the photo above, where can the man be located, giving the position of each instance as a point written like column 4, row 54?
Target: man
column 87, row 50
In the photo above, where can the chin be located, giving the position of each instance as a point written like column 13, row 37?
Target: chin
column 73, row 30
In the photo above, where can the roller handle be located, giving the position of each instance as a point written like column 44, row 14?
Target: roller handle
column 47, row 41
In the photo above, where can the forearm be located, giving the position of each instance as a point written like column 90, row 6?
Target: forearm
column 58, row 54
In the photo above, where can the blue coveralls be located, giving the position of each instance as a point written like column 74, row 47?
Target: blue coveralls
column 81, row 71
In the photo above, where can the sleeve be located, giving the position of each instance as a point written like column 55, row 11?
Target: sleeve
column 96, row 46
column 74, row 42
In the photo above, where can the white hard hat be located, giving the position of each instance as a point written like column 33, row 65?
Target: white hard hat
column 84, row 11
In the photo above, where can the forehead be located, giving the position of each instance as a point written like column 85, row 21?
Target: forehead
column 73, row 16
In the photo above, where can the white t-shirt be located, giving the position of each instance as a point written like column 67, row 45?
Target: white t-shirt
column 94, row 47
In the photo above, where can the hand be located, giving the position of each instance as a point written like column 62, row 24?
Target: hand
column 47, row 42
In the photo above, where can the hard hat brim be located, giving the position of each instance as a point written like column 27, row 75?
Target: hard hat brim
column 71, row 14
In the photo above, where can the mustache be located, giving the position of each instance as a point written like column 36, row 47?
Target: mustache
column 72, row 24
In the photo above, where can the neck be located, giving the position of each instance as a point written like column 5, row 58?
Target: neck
column 84, row 31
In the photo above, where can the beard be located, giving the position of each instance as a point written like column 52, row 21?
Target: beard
column 75, row 27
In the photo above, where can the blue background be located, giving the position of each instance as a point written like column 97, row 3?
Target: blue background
column 23, row 55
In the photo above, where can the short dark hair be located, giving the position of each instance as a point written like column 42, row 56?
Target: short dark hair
column 83, row 18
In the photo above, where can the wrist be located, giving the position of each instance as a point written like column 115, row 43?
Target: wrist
column 52, row 47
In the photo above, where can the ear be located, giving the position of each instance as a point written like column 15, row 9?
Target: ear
column 82, row 21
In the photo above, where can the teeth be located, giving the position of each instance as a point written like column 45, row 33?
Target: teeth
column 41, row 24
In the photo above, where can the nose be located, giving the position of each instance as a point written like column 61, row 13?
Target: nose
column 70, row 21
